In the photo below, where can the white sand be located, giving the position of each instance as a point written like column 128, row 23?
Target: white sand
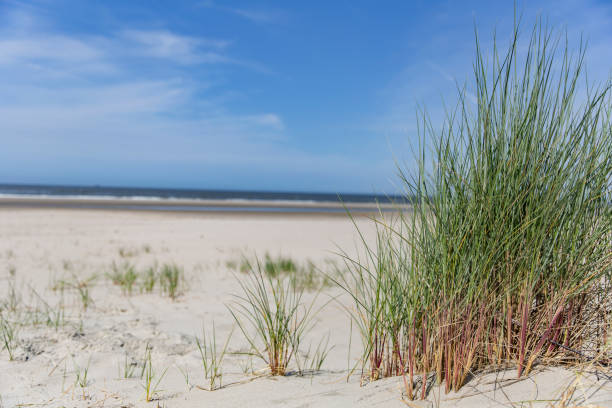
column 44, row 245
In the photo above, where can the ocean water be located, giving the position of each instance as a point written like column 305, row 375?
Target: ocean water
column 159, row 199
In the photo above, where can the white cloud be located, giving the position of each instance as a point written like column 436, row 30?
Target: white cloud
column 267, row 119
column 141, row 104
column 44, row 48
column 259, row 15
column 180, row 48
column 86, row 94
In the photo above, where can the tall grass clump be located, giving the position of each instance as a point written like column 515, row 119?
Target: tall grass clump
column 505, row 258
column 123, row 275
column 169, row 279
column 271, row 316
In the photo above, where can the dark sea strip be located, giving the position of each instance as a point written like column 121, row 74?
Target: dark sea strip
column 193, row 194
column 193, row 208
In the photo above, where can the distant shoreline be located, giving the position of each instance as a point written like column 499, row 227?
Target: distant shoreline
column 193, row 201
column 195, row 205
column 144, row 193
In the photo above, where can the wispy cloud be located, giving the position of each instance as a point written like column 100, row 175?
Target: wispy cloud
column 181, row 48
column 259, row 15
column 45, row 48
column 89, row 94
column 269, row 119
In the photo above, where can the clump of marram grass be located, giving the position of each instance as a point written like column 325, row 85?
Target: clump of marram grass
column 315, row 358
column 81, row 374
column 272, row 318
column 127, row 367
column 13, row 299
column 212, row 358
column 274, row 267
column 52, row 316
column 8, row 336
column 170, row 279
column 81, row 286
column 126, row 276
column 151, row 379
column 128, row 252
column 505, row 256
column 148, row 278
column 123, row 275
column 305, row 275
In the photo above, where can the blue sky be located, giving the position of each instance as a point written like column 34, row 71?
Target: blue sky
column 289, row 96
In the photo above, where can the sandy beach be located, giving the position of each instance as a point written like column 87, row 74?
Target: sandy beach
column 347, row 204
column 41, row 247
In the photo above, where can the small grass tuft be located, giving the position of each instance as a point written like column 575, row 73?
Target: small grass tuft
column 212, row 359
column 123, row 275
column 127, row 367
column 272, row 309
column 315, row 358
column 13, row 299
column 169, row 279
column 81, row 374
column 8, row 336
column 148, row 279
column 151, row 380
column 127, row 252
column 81, row 286
column 275, row 267
column 304, row 275
column 54, row 317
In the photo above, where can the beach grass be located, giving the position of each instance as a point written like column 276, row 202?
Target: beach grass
column 79, row 285
column 212, row 358
column 8, row 336
column 271, row 316
column 305, row 275
column 169, row 279
column 52, row 316
column 127, row 368
column 504, row 260
column 123, row 275
column 151, row 379
column 81, row 374
column 148, row 279
column 316, row 358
